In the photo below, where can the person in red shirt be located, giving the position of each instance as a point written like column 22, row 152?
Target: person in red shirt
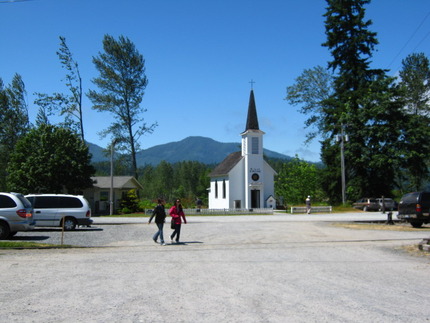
column 176, row 212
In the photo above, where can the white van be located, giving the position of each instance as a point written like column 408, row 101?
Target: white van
column 56, row 210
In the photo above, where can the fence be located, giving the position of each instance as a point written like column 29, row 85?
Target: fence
column 314, row 209
column 228, row 211
column 223, row 211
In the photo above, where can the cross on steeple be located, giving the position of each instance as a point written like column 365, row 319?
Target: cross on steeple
column 252, row 84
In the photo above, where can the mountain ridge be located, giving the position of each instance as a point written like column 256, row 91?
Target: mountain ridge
column 193, row 148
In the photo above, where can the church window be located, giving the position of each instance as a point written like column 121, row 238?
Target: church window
column 216, row 189
column 224, row 191
column 254, row 144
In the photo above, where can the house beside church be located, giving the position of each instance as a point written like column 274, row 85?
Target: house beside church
column 244, row 180
column 98, row 195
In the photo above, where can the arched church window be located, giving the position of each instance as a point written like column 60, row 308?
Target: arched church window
column 216, row 189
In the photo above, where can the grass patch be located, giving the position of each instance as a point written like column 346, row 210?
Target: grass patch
column 29, row 245
column 415, row 251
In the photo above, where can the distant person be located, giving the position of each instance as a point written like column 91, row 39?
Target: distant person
column 176, row 212
column 199, row 204
column 160, row 217
column 308, row 205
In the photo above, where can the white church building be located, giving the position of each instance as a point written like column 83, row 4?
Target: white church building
column 244, row 180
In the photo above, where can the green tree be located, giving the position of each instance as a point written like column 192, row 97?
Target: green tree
column 14, row 121
column 50, row 159
column 186, row 180
column 163, row 182
column 69, row 105
column 363, row 103
column 296, row 180
column 415, row 77
column 415, row 82
column 310, row 90
column 122, row 83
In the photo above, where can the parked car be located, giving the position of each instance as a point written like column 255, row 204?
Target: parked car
column 390, row 205
column 415, row 208
column 16, row 214
column 56, row 210
column 367, row 204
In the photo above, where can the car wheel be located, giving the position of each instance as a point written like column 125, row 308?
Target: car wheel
column 12, row 233
column 417, row 224
column 69, row 224
column 4, row 231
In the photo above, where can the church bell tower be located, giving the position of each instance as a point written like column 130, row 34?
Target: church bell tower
column 252, row 152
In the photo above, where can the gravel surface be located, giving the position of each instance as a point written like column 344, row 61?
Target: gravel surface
column 228, row 270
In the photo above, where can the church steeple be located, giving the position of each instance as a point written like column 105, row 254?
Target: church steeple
column 252, row 120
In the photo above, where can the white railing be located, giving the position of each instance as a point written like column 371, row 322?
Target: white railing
column 314, row 209
column 228, row 211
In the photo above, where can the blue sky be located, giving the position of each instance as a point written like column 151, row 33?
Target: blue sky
column 200, row 57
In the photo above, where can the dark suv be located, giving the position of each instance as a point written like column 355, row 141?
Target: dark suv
column 16, row 214
column 415, row 208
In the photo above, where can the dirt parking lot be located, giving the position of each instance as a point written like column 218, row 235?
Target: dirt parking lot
column 226, row 271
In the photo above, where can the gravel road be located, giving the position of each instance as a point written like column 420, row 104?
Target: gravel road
column 233, row 270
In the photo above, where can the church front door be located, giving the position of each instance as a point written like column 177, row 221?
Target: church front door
column 255, row 199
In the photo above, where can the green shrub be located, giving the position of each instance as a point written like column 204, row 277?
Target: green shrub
column 130, row 202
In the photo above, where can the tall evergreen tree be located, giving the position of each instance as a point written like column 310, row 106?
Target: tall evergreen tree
column 363, row 104
column 14, row 121
column 415, row 77
column 415, row 82
column 122, row 83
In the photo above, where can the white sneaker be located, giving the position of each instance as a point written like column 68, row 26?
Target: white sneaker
column 163, row 244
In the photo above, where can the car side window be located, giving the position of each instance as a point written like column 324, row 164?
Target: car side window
column 45, row 202
column 6, row 202
column 70, row 202
column 425, row 197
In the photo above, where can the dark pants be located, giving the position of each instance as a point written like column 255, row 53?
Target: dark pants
column 176, row 232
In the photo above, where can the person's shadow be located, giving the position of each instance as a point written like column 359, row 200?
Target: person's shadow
column 185, row 243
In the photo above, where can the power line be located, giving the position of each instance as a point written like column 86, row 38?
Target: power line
column 409, row 40
column 421, row 41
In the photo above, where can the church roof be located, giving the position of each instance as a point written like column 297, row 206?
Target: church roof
column 252, row 120
column 227, row 164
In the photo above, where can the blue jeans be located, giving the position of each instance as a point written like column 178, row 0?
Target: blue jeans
column 159, row 232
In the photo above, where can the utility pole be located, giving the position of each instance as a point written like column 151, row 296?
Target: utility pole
column 111, row 201
column 342, row 138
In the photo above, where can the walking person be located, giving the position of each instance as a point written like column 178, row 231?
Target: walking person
column 176, row 212
column 308, row 205
column 160, row 217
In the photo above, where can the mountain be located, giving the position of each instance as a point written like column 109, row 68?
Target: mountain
column 98, row 153
column 201, row 149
